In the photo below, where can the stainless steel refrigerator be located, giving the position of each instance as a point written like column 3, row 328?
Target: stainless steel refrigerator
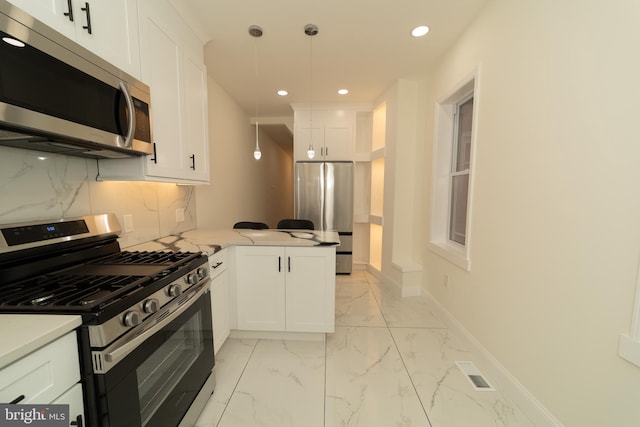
column 324, row 195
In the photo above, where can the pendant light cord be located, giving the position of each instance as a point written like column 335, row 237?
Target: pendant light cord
column 311, row 30
column 255, row 55
column 256, row 32
column 311, row 88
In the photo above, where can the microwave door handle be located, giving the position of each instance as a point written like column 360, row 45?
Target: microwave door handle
column 132, row 115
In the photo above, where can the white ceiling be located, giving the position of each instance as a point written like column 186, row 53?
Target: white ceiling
column 362, row 45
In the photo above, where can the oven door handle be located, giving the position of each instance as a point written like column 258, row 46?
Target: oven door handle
column 109, row 357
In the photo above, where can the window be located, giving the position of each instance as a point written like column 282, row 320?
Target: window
column 459, row 180
column 452, row 180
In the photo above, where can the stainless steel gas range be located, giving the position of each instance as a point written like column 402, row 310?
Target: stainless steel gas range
column 146, row 342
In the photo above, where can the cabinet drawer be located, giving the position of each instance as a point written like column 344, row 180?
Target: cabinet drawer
column 218, row 262
column 43, row 375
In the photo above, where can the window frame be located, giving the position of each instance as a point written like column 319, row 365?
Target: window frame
column 453, row 172
column 629, row 344
column 445, row 142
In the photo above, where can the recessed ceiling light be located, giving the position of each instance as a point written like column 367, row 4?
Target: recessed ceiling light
column 343, row 91
column 283, row 92
column 13, row 42
column 420, row 31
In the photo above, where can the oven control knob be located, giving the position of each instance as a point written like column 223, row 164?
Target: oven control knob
column 174, row 290
column 151, row 305
column 202, row 273
column 131, row 318
column 192, row 278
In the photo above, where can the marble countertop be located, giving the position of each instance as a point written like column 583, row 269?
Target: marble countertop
column 210, row 241
column 22, row 334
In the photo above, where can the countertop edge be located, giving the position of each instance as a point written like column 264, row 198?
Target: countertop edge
column 34, row 331
column 211, row 241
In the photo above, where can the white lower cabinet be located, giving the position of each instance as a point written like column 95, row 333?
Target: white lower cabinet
column 285, row 289
column 50, row 374
column 73, row 398
column 220, row 298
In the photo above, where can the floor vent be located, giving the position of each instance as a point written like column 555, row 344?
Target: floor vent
column 475, row 377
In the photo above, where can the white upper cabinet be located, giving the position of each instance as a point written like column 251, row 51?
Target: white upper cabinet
column 330, row 131
column 173, row 66
column 58, row 14
column 108, row 28
column 197, row 135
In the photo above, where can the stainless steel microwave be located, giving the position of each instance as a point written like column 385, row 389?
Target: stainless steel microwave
column 56, row 96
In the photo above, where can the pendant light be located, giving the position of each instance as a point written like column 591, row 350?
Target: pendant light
column 256, row 31
column 311, row 30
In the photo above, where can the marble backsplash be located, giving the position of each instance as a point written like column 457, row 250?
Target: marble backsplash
column 41, row 186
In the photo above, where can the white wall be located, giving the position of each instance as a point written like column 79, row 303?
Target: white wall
column 555, row 238
column 242, row 189
column 403, row 222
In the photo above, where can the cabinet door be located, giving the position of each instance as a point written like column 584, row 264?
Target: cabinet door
column 310, row 291
column 44, row 374
column 52, row 13
column 161, row 69
column 260, row 288
column 197, row 134
column 114, row 26
column 73, row 398
column 220, row 307
column 114, row 31
column 338, row 142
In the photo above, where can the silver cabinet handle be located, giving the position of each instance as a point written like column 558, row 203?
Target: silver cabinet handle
column 132, row 115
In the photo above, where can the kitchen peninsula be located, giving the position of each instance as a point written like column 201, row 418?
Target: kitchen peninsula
column 210, row 241
column 265, row 283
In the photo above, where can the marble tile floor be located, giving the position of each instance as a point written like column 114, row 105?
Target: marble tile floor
column 390, row 362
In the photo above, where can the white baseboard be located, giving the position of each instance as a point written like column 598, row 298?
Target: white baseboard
column 275, row 335
column 403, row 290
column 536, row 412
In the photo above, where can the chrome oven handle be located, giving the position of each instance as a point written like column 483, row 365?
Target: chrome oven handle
column 128, row 140
column 125, row 345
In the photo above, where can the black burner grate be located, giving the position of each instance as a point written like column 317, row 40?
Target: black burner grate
column 148, row 258
column 60, row 290
column 93, row 286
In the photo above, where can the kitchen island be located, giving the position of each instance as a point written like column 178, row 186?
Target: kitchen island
column 265, row 283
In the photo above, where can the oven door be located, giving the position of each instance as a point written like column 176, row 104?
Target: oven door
column 153, row 377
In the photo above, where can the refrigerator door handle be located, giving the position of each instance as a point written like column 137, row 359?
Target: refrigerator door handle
column 323, row 193
column 328, row 197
